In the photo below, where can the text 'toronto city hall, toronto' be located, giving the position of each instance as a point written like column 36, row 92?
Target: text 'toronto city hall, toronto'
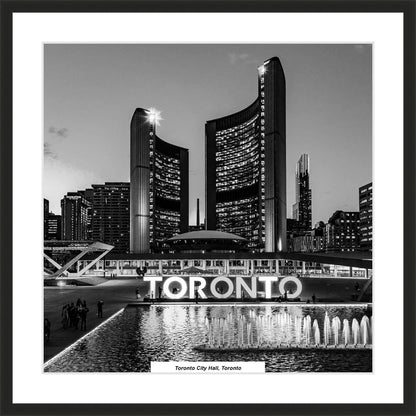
column 245, row 173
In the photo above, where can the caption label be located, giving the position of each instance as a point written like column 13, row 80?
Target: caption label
column 214, row 367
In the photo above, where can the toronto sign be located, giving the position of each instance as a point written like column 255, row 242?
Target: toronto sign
column 236, row 286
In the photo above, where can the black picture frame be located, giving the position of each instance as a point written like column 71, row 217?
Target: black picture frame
column 407, row 7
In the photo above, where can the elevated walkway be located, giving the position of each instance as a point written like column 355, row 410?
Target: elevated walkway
column 96, row 249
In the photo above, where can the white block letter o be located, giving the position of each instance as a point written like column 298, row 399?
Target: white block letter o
column 294, row 280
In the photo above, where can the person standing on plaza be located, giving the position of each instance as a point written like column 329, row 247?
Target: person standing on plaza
column 65, row 316
column 75, row 317
column 100, row 304
column 71, row 314
column 83, row 314
column 47, row 329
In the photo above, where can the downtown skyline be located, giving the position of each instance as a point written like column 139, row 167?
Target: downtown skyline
column 87, row 130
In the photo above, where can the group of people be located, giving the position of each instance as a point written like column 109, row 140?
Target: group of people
column 73, row 314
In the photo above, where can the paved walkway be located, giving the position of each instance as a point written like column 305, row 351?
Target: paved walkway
column 115, row 294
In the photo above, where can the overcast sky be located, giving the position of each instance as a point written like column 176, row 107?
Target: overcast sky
column 91, row 92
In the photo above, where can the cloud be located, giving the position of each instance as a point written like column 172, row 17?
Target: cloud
column 244, row 58
column 48, row 152
column 55, row 135
column 58, row 132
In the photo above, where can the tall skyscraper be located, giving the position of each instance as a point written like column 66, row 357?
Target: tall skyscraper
column 245, row 166
column 75, row 208
column 366, row 216
column 111, row 215
column 302, row 208
column 159, row 185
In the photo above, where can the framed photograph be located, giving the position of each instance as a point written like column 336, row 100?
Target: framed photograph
column 208, row 208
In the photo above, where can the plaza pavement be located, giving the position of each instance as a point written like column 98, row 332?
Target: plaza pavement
column 116, row 294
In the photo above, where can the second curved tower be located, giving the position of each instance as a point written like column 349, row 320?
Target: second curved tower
column 245, row 166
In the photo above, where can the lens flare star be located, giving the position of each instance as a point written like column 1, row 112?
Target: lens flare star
column 154, row 116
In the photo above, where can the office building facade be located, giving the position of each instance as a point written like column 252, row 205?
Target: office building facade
column 159, row 186
column 45, row 217
column 53, row 227
column 75, row 209
column 245, row 166
column 52, row 223
column 111, row 215
column 302, row 208
column 343, row 232
column 88, row 195
column 313, row 241
column 366, row 216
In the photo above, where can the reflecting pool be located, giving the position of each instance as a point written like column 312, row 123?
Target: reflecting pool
column 290, row 338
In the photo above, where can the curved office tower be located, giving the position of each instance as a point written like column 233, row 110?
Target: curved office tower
column 158, row 185
column 245, row 166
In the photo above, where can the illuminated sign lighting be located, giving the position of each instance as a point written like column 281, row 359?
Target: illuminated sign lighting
column 294, row 280
column 198, row 284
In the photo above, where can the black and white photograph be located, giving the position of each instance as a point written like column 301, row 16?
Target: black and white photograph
column 208, row 208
